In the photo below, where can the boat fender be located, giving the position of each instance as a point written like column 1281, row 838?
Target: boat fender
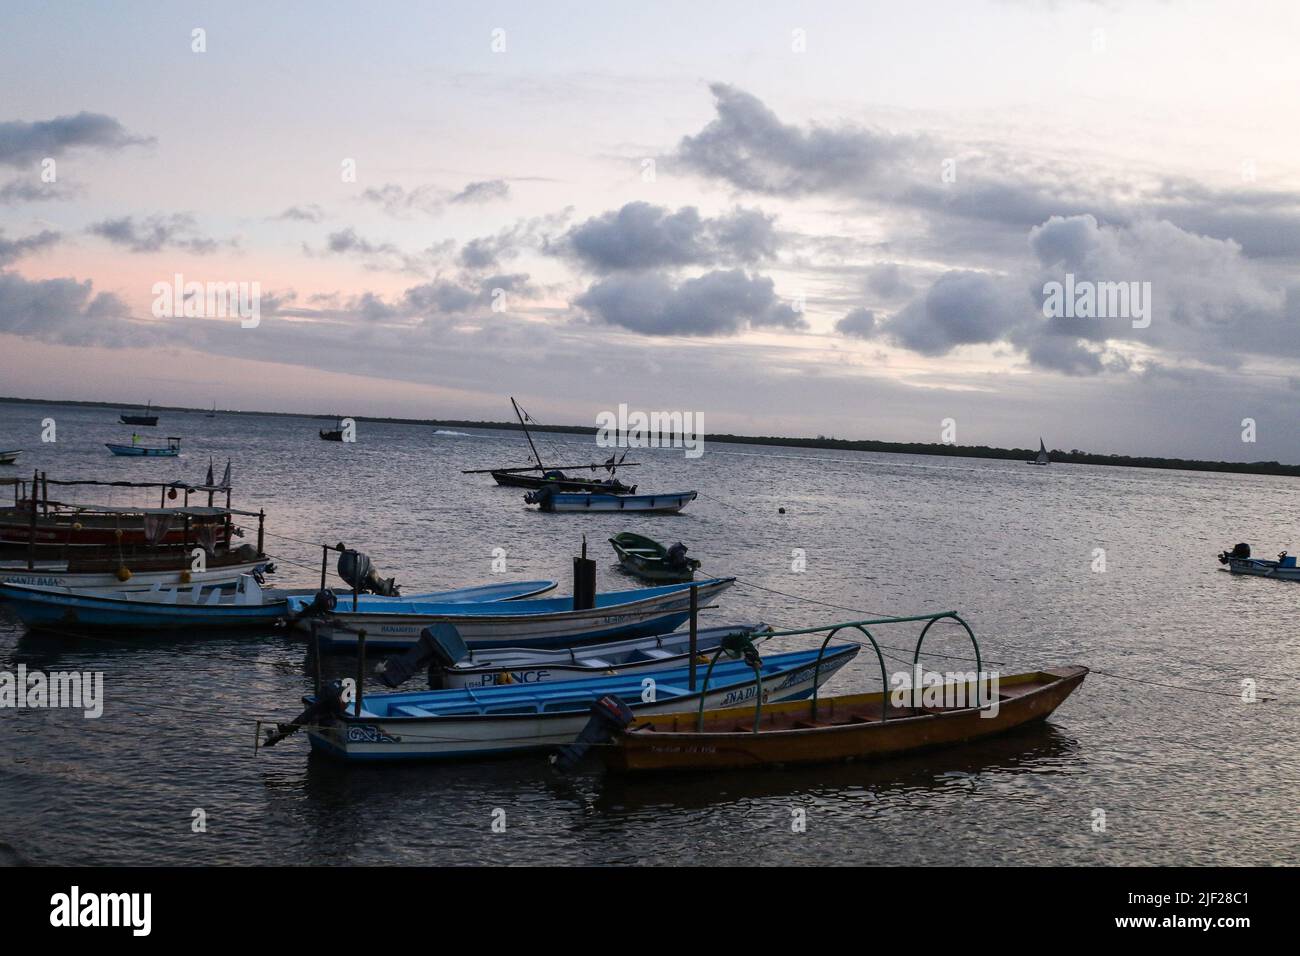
column 124, row 573
column 609, row 717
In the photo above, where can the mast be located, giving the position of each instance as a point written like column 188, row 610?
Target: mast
column 520, row 415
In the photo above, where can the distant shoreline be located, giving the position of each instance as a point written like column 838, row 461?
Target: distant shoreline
column 1073, row 457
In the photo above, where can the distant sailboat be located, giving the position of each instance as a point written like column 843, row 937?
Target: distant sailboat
column 1042, row 458
column 213, row 413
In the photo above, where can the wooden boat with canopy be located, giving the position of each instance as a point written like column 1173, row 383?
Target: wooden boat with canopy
column 844, row 728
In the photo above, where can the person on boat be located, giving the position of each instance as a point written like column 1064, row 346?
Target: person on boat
column 134, row 438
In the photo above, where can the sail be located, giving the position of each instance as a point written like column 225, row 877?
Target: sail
column 1042, row 458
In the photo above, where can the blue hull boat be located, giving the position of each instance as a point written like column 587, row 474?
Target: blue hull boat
column 549, row 622
column 493, row 721
column 248, row 605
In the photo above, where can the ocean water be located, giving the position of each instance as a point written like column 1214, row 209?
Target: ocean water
column 1158, row 739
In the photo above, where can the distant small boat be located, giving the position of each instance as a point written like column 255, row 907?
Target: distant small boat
column 213, row 413
column 1239, row 561
column 333, row 434
column 548, row 499
column 9, row 457
column 147, row 451
column 1042, row 458
column 558, row 480
column 143, row 419
column 650, row 560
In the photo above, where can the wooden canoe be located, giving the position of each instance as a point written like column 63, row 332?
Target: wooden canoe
column 846, row 728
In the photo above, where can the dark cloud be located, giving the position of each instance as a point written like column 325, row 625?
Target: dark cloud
column 65, row 312
column 34, row 190
column 13, row 249
column 156, row 233
column 960, row 308
column 23, row 143
column 716, row 303
column 308, row 213
column 488, row 190
column 401, row 202
column 748, row 146
column 644, row 236
column 860, row 323
column 445, row 297
column 490, row 252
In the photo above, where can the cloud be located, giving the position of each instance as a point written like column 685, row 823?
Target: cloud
column 13, row 249
column 156, row 233
column 23, row 143
column 308, row 213
column 533, row 234
column 645, row 236
column 30, row 190
column 716, row 303
column 749, row 147
column 860, row 323
column 485, row 191
column 445, row 297
column 427, row 199
column 65, row 312
column 960, row 308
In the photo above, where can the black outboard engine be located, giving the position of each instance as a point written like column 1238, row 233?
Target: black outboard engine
column 1242, row 551
column 609, row 718
column 356, row 569
column 439, row 647
column 324, row 602
column 676, row 556
column 329, row 702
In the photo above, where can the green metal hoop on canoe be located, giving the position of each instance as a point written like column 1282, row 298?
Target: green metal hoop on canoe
column 862, row 626
column 739, row 645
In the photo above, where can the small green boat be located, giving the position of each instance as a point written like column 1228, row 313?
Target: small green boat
column 650, row 560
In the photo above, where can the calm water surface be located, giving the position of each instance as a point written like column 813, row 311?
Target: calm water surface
column 1185, row 774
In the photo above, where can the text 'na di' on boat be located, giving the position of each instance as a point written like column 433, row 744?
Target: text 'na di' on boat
column 1239, row 561
column 916, row 714
column 344, row 722
column 553, row 476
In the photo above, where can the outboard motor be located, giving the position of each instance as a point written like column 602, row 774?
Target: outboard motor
column 609, row 718
column 356, row 568
column 1241, row 551
column 329, row 702
column 324, row 602
column 542, row 496
column 676, row 556
column 439, row 647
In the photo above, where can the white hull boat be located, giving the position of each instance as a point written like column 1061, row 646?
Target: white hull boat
column 548, row 499
column 487, row 722
column 549, row 622
column 55, row 574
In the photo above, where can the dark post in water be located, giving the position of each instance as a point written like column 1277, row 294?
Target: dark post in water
column 695, row 630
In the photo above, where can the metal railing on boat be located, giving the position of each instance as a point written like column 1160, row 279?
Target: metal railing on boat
column 738, row 643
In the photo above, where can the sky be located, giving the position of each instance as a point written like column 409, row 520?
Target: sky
column 788, row 218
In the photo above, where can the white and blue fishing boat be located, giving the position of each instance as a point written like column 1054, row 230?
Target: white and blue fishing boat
column 455, row 665
column 518, row 718
column 548, row 622
column 171, row 450
column 548, row 499
column 199, row 606
column 1239, row 561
